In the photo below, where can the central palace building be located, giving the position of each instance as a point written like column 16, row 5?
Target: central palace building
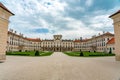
column 100, row 43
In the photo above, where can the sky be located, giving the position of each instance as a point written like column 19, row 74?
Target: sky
column 71, row 18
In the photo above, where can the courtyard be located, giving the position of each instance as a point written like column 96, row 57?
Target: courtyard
column 59, row 66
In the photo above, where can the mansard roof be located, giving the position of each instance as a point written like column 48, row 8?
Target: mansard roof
column 108, row 33
column 77, row 40
column 67, row 40
column 47, row 40
column 2, row 6
column 85, row 40
column 33, row 39
column 105, row 34
column 12, row 33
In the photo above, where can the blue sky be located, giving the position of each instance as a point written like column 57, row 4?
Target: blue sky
column 71, row 18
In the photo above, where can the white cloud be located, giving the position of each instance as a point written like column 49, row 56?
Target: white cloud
column 100, row 22
column 52, row 15
column 89, row 3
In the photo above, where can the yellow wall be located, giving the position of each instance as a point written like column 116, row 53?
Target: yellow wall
column 4, row 20
column 116, row 20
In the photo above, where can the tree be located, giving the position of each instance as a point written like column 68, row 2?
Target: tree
column 81, row 53
column 37, row 53
column 110, row 52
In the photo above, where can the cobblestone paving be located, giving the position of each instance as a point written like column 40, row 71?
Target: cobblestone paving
column 59, row 67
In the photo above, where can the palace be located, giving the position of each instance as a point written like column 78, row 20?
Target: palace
column 100, row 43
column 17, row 42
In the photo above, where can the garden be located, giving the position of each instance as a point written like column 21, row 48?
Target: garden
column 30, row 53
column 88, row 54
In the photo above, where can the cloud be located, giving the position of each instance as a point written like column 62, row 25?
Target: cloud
column 72, row 19
column 42, row 30
column 89, row 3
column 100, row 21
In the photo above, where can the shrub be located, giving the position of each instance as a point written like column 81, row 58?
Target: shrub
column 110, row 52
column 8, row 53
column 37, row 53
column 20, row 50
column 81, row 53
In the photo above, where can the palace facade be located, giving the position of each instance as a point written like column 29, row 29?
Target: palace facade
column 99, row 43
column 19, row 43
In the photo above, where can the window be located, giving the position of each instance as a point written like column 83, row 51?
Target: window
column 104, row 43
column 113, row 48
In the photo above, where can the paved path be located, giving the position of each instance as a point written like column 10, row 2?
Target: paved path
column 59, row 67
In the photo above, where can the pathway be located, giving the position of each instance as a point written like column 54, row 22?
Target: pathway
column 59, row 67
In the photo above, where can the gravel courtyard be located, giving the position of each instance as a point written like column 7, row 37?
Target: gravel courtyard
column 59, row 67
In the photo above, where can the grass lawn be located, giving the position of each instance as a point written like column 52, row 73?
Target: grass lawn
column 47, row 53
column 29, row 53
column 88, row 54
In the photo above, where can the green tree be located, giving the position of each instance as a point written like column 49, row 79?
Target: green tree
column 81, row 53
column 110, row 52
column 37, row 53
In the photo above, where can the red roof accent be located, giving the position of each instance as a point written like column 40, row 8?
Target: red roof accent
column 2, row 6
column 111, row 41
column 32, row 39
column 114, row 13
column 85, row 40
column 77, row 41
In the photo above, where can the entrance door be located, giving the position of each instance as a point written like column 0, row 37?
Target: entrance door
column 58, row 49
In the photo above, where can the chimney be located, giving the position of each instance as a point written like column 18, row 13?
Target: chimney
column 15, row 32
column 93, row 36
column 11, row 30
column 22, row 35
column 103, row 32
column 98, row 34
column 80, row 38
